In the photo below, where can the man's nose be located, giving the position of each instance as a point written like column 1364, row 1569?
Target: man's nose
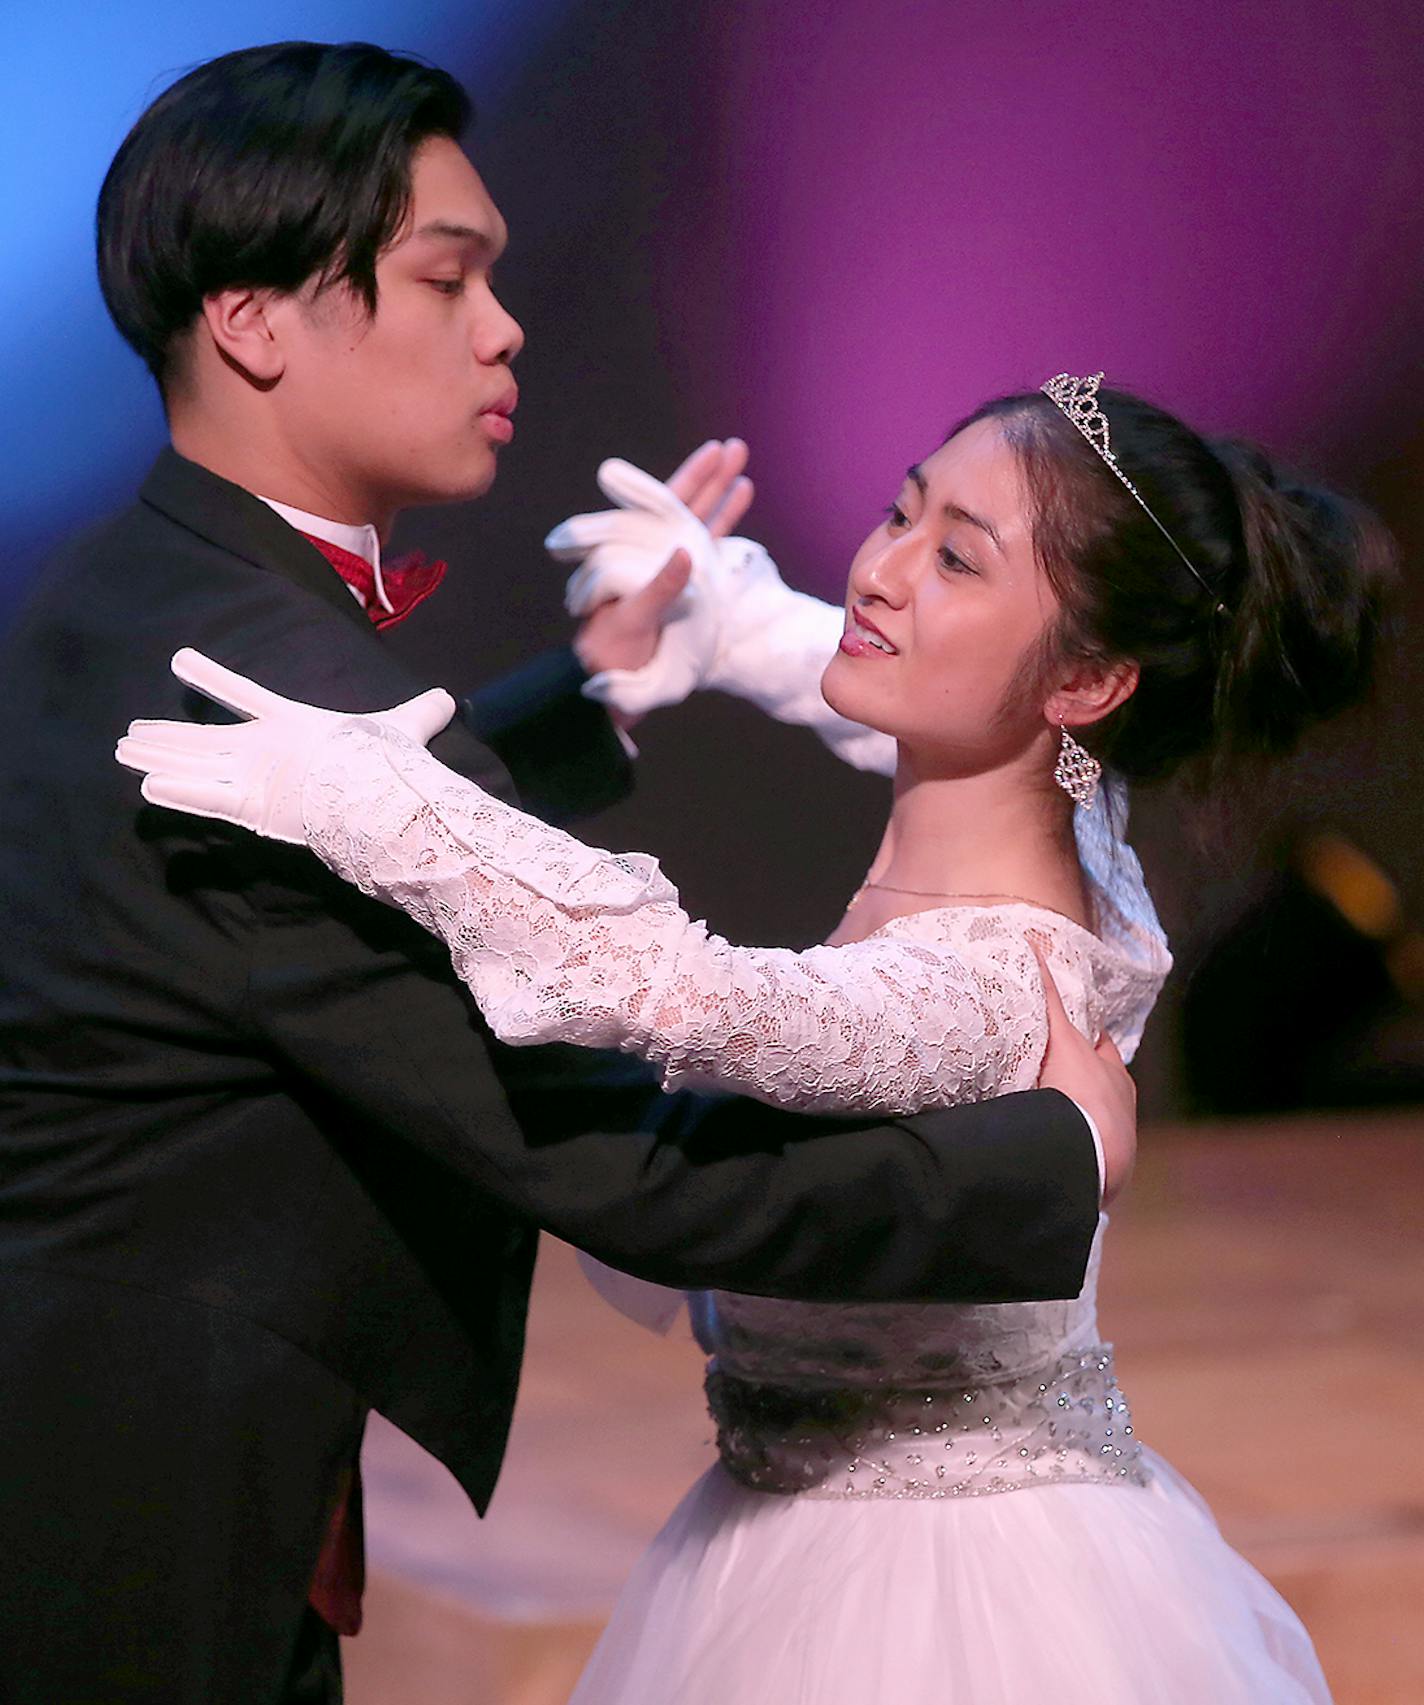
column 514, row 340
column 499, row 338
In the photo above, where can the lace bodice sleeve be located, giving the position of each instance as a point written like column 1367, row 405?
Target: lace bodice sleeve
column 560, row 942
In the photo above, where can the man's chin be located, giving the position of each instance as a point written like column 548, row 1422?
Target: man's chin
column 462, row 487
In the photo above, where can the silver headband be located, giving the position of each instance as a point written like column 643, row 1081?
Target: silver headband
column 1078, row 399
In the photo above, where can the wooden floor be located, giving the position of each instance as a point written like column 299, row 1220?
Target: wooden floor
column 1264, row 1285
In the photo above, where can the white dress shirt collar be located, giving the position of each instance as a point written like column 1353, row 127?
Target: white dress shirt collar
column 362, row 541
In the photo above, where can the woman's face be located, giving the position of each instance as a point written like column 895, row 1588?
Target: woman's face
column 944, row 602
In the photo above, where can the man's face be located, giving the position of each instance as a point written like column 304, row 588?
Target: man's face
column 410, row 405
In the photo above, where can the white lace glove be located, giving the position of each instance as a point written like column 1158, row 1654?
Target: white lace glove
column 739, row 628
column 251, row 773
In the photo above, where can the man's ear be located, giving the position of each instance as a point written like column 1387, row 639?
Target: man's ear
column 242, row 328
column 1091, row 692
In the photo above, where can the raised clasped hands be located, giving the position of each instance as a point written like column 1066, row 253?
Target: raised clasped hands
column 643, row 566
column 251, row 773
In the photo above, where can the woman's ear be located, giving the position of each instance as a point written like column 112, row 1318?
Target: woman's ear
column 240, row 324
column 1091, row 692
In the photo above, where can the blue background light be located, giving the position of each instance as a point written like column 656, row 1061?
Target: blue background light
column 83, row 415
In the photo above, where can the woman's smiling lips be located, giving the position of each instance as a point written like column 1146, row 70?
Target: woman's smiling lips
column 863, row 639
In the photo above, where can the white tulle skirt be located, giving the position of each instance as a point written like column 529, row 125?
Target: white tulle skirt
column 1069, row 1595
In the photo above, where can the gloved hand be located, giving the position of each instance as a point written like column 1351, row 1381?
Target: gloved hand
column 621, row 549
column 738, row 628
column 251, row 773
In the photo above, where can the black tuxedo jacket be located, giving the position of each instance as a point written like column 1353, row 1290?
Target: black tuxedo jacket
column 262, row 1167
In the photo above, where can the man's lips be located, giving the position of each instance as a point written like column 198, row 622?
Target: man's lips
column 863, row 639
column 495, row 415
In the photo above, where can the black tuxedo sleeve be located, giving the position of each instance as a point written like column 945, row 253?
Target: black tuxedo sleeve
column 362, row 1010
column 994, row 1202
column 561, row 749
column 1016, row 1177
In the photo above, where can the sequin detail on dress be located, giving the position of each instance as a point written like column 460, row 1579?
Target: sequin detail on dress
column 1071, row 1425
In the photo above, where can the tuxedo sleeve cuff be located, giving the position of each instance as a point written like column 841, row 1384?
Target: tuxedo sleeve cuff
column 1097, row 1137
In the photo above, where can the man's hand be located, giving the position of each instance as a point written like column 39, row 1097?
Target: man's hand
column 623, row 633
column 1098, row 1081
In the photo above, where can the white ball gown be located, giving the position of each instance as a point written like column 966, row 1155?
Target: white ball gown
column 912, row 1503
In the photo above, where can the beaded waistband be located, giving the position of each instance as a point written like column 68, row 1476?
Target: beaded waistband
column 1067, row 1421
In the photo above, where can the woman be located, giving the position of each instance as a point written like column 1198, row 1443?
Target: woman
column 937, row 1503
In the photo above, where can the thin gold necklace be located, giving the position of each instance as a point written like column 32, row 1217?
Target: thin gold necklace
column 914, row 893
column 940, row 894
column 917, row 893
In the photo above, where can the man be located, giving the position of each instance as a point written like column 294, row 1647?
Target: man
column 263, row 1169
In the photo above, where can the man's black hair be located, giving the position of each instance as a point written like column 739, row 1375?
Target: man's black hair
column 264, row 168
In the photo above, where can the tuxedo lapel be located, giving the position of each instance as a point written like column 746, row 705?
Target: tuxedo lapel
column 241, row 524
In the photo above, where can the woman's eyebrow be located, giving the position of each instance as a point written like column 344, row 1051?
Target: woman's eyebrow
column 955, row 511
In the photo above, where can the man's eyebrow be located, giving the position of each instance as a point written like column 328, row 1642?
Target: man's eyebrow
column 457, row 233
column 955, row 511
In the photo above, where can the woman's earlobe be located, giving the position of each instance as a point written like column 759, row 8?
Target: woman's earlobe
column 1095, row 692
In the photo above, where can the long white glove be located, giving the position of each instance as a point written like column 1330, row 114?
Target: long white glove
column 740, row 630
column 251, row 773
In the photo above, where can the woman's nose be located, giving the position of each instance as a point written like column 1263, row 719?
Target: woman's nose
column 885, row 573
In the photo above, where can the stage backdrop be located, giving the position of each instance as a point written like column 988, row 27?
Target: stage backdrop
column 832, row 230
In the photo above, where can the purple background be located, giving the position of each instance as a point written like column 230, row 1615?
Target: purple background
column 834, row 230
column 911, row 207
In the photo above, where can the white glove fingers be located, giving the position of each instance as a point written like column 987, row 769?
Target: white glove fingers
column 187, row 736
column 144, row 757
column 607, row 573
column 631, row 488
column 148, row 728
column 225, row 686
column 200, row 798
column 576, row 537
column 583, row 593
column 424, row 716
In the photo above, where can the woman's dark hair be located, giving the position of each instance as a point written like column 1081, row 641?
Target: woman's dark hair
column 1280, row 630
column 265, row 168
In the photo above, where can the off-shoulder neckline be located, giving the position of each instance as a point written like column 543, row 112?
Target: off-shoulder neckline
column 986, row 905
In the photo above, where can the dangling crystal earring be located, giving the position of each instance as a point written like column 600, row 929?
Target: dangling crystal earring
column 1077, row 770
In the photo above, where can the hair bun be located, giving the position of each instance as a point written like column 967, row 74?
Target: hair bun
column 1316, row 572
column 1274, row 626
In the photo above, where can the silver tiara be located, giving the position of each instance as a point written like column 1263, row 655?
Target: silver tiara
column 1078, row 399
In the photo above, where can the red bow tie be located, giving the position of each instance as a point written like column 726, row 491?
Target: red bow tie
column 408, row 580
